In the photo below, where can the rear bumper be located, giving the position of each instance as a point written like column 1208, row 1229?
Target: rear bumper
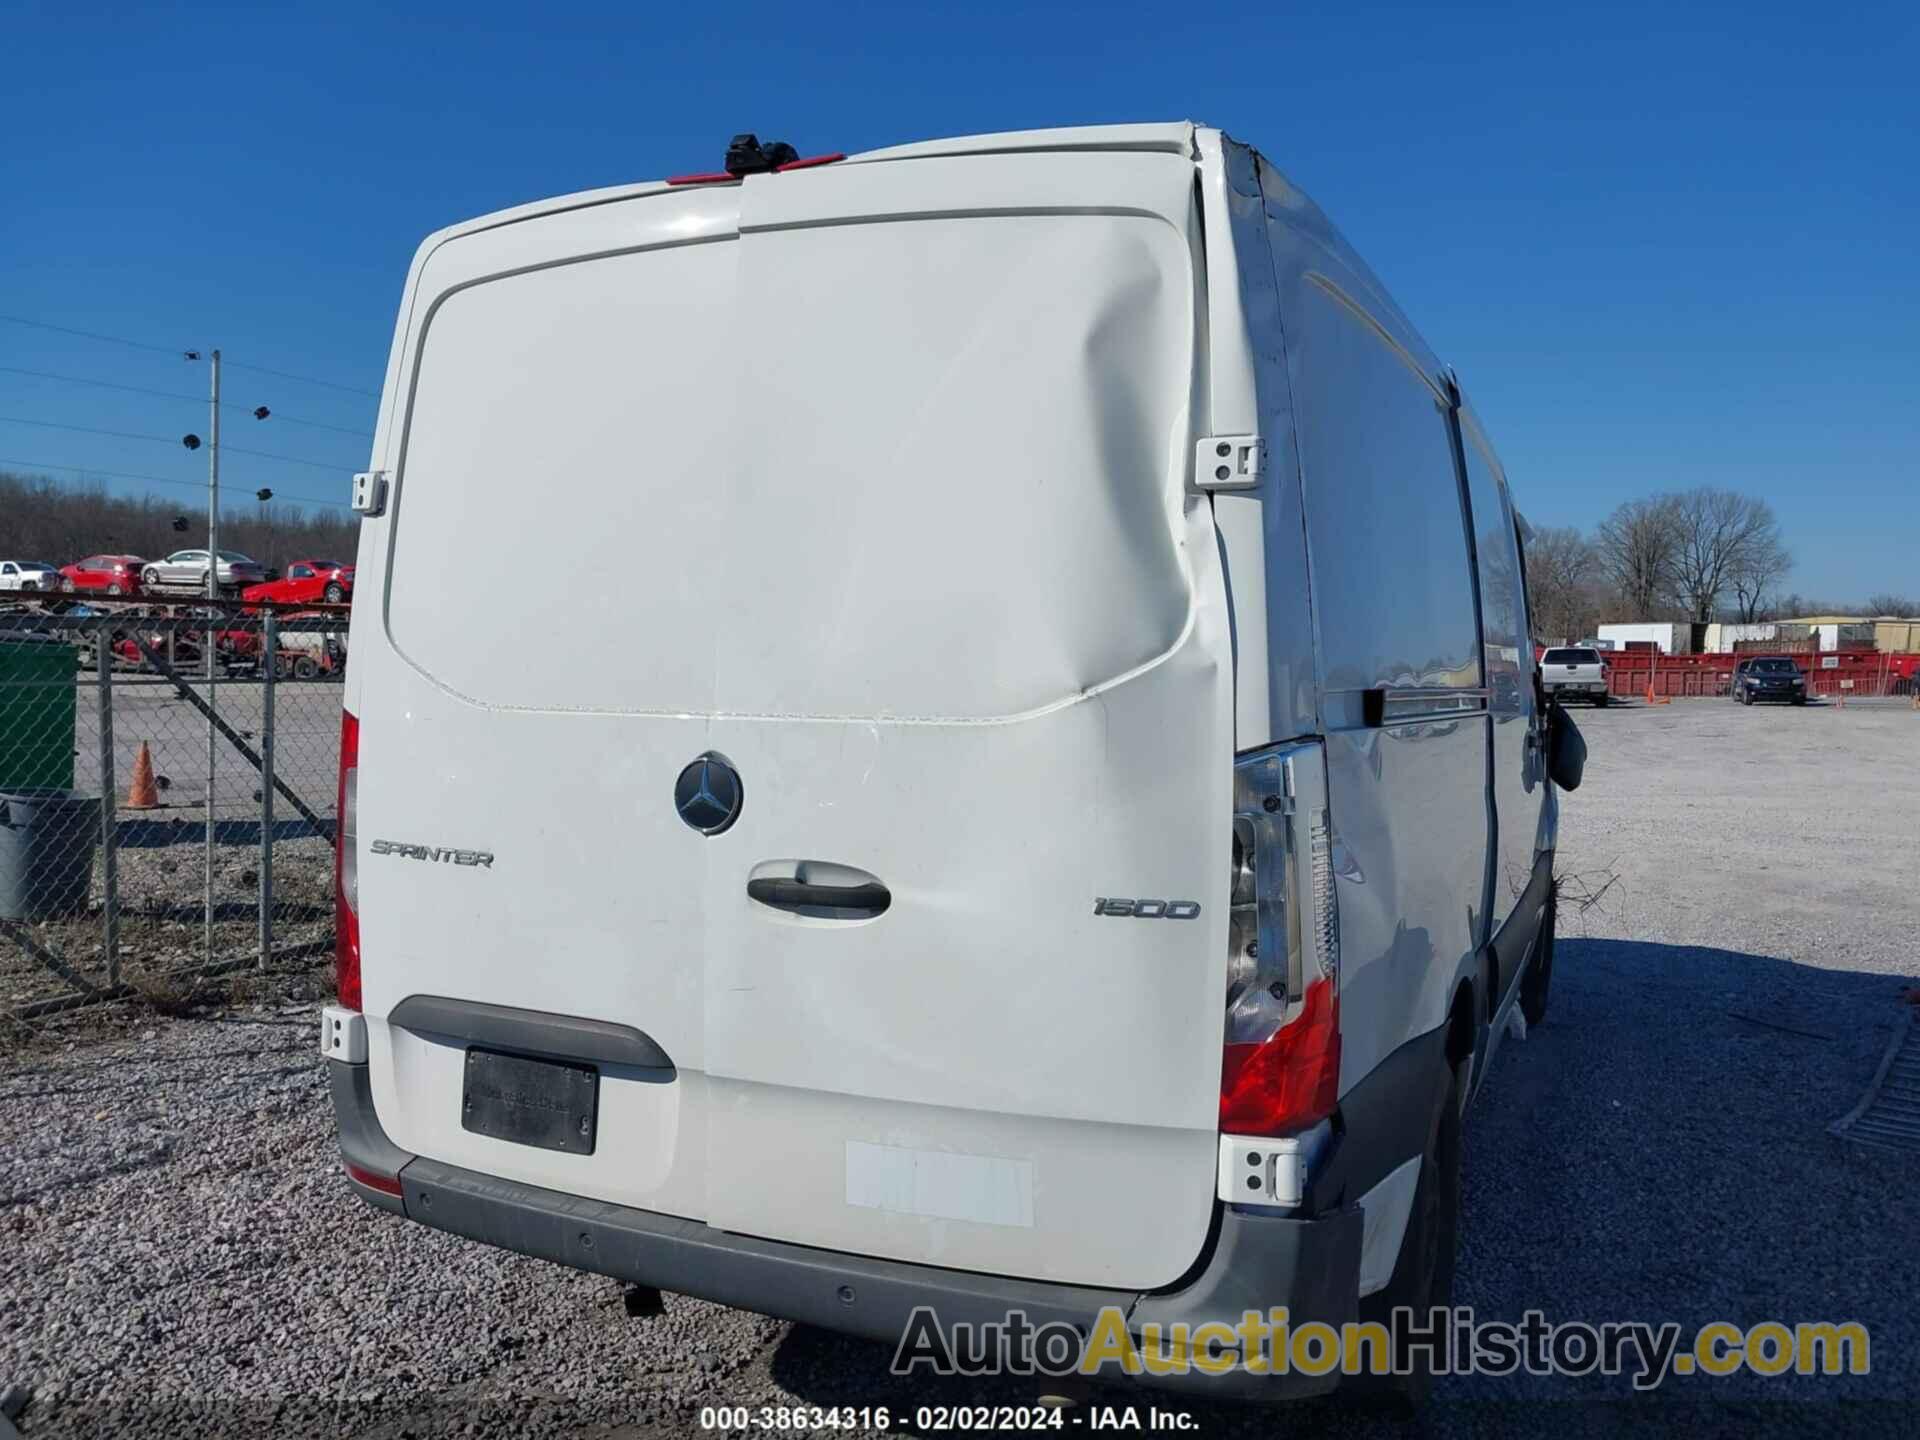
column 1251, row 1261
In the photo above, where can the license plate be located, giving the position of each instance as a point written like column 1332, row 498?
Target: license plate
column 550, row 1104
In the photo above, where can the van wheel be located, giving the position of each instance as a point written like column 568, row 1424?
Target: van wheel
column 1423, row 1276
column 1601, row 700
column 1539, row 977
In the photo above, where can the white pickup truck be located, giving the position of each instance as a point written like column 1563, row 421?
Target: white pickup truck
column 1574, row 672
column 28, row 575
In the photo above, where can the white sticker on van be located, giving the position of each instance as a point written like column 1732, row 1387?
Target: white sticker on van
column 940, row 1184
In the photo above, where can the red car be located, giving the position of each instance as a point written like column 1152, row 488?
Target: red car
column 304, row 582
column 103, row 574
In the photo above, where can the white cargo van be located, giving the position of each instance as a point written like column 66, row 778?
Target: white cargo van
column 1032, row 794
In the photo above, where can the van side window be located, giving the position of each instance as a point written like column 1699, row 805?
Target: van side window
column 1503, row 613
column 1393, row 588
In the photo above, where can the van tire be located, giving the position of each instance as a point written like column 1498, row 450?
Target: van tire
column 1600, row 700
column 1423, row 1275
column 1535, row 984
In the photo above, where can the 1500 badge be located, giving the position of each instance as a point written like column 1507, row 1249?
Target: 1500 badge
column 435, row 854
column 1149, row 909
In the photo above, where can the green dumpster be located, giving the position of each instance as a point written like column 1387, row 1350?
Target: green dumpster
column 38, row 679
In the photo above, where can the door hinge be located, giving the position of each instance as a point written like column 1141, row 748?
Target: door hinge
column 1229, row 462
column 370, row 492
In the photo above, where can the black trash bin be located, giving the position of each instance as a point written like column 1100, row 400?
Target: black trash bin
column 46, row 852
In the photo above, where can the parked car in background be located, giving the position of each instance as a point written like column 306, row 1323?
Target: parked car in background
column 105, row 574
column 306, row 581
column 301, row 653
column 1768, row 677
column 311, row 654
column 27, row 575
column 187, row 570
column 1574, row 672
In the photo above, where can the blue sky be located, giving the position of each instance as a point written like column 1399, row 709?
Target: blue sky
column 1664, row 245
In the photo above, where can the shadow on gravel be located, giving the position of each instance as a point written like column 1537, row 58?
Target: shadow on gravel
column 1657, row 1151
column 158, row 834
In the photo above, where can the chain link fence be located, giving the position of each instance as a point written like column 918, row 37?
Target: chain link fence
column 167, row 795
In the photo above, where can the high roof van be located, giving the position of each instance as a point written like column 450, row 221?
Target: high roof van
column 1020, row 783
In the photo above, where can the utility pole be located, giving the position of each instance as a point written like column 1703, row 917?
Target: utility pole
column 213, row 493
column 210, row 634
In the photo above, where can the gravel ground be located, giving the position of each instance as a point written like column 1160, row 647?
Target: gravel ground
column 161, row 870
column 179, row 1254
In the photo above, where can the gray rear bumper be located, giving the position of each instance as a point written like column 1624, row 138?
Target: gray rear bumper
column 1251, row 1261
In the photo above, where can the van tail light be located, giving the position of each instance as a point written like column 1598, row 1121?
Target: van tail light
column 1280, row 1070
column 346, row 868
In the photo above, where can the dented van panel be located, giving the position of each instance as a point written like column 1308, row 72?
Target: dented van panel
column 1024, row 787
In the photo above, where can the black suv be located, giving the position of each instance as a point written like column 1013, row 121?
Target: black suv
column 1768, row 677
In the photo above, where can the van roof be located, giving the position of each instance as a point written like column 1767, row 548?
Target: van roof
column 1176, row 138
column 1180, row 137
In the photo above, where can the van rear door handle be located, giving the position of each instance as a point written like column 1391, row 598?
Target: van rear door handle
column 789, row 894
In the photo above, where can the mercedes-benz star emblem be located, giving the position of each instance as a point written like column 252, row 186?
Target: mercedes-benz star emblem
column 708, row 793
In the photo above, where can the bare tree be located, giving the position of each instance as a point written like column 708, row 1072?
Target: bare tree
column 1755, row 574
column 1900, row 606
column 1638, row 548
column 58, row 524
column 1718, row 533
column 1562, row 594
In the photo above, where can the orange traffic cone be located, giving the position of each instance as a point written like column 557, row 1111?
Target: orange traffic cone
column 143, row 794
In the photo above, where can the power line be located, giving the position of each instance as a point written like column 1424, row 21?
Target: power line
column 105, row 384
column 90, row 430
column 179, row 395
column 95, row 335
column 158, row 480
column 185, row 350
column 289, row 459
column 316, row 424
column 172, row 440
column 304, row 379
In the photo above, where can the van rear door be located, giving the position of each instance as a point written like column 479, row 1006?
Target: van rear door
column 868, row 482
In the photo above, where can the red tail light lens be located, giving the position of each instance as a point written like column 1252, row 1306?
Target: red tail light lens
column 1280, row 1064
column 1290, row 1080
column 346, row 868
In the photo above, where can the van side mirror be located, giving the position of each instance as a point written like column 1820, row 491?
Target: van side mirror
column 1566, row 748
